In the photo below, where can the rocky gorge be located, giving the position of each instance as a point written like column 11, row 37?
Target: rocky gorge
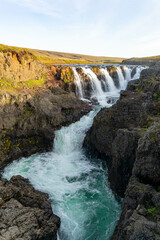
column 36, row 100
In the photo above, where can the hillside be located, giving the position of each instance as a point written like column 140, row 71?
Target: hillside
column 51, row 57
column 142, row 61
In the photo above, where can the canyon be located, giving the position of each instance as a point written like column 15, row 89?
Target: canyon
column 38, row 99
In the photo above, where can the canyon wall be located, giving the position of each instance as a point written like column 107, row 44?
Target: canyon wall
column 127, row 137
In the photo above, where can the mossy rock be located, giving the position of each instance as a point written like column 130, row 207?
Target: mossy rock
column 67, row 75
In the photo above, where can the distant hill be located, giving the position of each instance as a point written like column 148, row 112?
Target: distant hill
column 51, row 57
column 143, row 61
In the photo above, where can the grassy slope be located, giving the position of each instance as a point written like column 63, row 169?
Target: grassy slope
column 147, row 60
column 50, row 57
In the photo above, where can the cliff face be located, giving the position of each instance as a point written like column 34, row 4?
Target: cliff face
column 127, row 137
column 35, row 100
column 22, row 71
column 32, row 104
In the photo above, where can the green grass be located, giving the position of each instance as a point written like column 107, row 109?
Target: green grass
column 9, row 83
column 36, row 82
column 52, row 57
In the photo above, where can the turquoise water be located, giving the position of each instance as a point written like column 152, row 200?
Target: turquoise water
column 77, row 184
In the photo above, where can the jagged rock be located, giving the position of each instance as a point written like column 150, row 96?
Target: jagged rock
column 25, row 213
column 115, row 133
column 28, row 122
column 140, row 217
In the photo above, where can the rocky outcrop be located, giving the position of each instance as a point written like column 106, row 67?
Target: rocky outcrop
column 28, row 122
column 25, row 213
column 127, row 136
column 115, row 133
column 22, row 70
column 140, row 217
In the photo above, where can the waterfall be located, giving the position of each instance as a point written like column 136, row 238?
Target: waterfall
column 122, row 80
column 138, row 72
column 97, row 91
column 108, row 80
column 103, row 90
column 127, row 71
column 78, row 82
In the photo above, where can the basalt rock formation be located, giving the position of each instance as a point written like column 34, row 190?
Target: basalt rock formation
column 25, row 213
column 127, row 136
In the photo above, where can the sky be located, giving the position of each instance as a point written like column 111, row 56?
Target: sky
column 115, row 28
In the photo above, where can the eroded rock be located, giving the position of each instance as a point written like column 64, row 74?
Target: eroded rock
column 25, row 212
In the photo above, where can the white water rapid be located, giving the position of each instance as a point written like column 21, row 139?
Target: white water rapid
column 75, row 181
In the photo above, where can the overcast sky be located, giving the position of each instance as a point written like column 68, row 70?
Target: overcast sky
column 113, row 28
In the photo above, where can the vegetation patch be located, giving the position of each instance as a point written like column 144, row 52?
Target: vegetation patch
column 153, row 211
column 52, row 57
column 156, row 96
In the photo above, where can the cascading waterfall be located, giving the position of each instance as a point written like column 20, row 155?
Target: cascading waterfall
column 76, row 183
column 138, row 72
column 122, row 80
column 128, row 72
column 97, row 91
column 78, row 83
column 109, row 81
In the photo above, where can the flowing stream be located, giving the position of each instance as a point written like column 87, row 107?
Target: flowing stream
column 76, row 182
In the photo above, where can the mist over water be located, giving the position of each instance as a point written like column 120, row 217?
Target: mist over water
column 75, row 181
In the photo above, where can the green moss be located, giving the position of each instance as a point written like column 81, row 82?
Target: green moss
column 67, row 75
column 156, row 96
column 36, row 82
column 6, row 142
column 139, row 91
column 6, row 83
column 32, row 141
column 153, row 211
